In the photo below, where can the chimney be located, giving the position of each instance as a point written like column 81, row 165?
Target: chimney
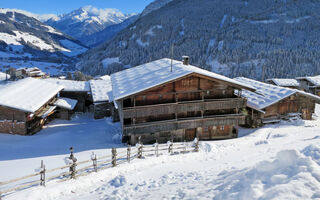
column 185, row 60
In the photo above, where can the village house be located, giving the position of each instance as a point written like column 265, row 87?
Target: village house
column 270, row 103
column 160, row 101
column 33, row 72
column 284, row 82
column 25, row 105
column 310, row 84
column 65, row 108
column 76, row 90
column 101, row 90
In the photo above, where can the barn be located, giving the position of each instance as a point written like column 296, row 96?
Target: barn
column 77, row 90
column 172, row 100
column 284, row 82
column 272, row 103
column 25, row 105
column 101, row 90
column 310, row 84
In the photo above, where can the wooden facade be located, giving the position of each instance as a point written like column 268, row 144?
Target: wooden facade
column 188, row 107
column 308, row 86
column 101, row 110
column 291, row 106
column 15, row 121
column 84, row 99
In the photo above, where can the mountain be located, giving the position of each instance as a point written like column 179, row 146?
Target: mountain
column 86, row 21
column 106, row 34
column 155, row 5
column 257, row 39
column 24, row 39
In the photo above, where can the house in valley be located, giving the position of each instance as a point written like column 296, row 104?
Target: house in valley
column 284, row 82
column 76, row 90
column 272, row 103
column 310, row 84
column 160, row 101
column 33, row 72
column 101, row 90
column 26, row 105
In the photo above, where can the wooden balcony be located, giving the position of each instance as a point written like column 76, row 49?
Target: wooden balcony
column 187, row 123
column 182, row 107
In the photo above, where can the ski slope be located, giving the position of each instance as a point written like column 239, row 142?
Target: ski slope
column 279, row 161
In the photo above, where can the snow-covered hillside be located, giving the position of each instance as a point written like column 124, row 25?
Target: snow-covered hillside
column 279, row 161
column 255, row 39
column 86, row 21
column 24, row 39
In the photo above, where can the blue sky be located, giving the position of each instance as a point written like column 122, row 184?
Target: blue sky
column 65, row 6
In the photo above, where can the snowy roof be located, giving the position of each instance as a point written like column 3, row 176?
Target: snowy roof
column 100, row 90
column 66, row 103
column 285, row 82
column 105, row 77
column 146, row 76
column 71, row 86
column 269, row 94
column 3, row 76
column 27, row 94
column 315, row 80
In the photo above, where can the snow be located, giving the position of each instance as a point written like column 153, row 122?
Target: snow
column 71, row 86
column 267, row 94
column 269, row 21
column 223, row 20
column 100, row 90
column 65, row 103
column 28, row 94
column 4, row 76
column 315, row 80
column 42, row 17
column 181, row 33
column 52, row 30
column 108, row 61
column 73, row 48
column 141, row 43
column 220, row 45
column 297, row 20
column 150, row 31
column 285, row 82
column 274, row 162
column 146, row 76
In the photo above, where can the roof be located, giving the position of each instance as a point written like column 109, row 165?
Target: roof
column 66, row 103
column 315, row 80
column 100, row 90
column 3, row 76
column 28, row 94
column 149, row 75
column 105, row 77
column 284, row 82
column 70, row 85
column 268, row 94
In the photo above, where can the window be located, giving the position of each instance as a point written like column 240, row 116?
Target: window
column 222, row 128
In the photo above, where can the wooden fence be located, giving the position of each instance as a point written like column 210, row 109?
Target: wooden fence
column 94, row 164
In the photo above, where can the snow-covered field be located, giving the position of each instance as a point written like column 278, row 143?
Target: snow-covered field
column 279, row 161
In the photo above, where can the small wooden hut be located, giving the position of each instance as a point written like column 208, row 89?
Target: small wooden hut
column 272, row 103
column 65, row 107
column 310, row 84
column 100, row 90
column 160, row 101
column 284, row 82
column 25, row 105
column 77, row 90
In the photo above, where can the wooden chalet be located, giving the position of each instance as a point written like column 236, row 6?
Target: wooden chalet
column 33, row 72
column 77, row 90
column 310, row 84
column 26, row 105
column 270, row 103
column 160, row 101
column 65, row 108
column 101, row 90
column 284, row 82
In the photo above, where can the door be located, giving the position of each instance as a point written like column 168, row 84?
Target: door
column 190, row 134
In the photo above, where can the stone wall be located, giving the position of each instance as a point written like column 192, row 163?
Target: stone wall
column 13, row 127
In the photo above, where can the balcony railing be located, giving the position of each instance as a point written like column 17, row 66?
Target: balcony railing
column 187, row 123
column 182, row 107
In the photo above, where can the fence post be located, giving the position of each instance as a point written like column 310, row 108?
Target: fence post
column 42, row 174
column 184, row 146
column 72, row 168
column 140, row 151
column 128, row 153
column 170, row 147
column 157, row 148
column 94, row 161
column 196, row 146
column 114, row 157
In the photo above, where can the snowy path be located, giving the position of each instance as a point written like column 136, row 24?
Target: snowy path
column 278, row 161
